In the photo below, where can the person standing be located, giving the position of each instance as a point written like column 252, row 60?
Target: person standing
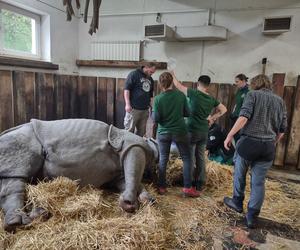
column 169, row 110
column 138, row 93
column 242, row 90
column 262, row 122
column 201, row 105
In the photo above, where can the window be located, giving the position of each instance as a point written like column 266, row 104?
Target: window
column 19, row 32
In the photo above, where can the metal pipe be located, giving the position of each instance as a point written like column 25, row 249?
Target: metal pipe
column 152, row 12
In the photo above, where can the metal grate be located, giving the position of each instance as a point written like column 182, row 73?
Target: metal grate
column 155, row 30
column 282, row 23
column 116, row 50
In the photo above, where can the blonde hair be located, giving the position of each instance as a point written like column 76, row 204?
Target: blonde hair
column 261, row 82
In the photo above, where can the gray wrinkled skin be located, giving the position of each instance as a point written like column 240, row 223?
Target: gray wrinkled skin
column 86, row 150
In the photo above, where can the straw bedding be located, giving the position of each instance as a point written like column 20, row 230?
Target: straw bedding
column 91, row 219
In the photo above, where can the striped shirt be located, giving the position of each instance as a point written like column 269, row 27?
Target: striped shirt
column 266, row 114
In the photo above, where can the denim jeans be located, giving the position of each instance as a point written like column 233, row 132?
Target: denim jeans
column 198, row 145
column 258, row 175
column 182, row 143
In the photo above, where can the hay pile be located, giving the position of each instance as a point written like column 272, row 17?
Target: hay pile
column 91, row 219
column 218, row 175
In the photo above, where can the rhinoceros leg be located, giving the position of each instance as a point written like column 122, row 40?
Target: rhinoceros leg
column 12, row 202
column 134, row 165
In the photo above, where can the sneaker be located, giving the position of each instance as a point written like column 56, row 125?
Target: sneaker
column 190, row 192
column 162, row 190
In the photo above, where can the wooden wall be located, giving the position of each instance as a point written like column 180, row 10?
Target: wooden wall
column 46, row 96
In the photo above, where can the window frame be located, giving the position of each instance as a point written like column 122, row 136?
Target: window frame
column 27, row 13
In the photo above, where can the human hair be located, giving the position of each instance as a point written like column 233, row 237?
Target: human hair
column 204, row 80
column 165, row 80
column 261, row 82
column 242, row 77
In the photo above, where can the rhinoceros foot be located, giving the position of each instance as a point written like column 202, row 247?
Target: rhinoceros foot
column 39, row 212
column 145, row 197
column 12, row 221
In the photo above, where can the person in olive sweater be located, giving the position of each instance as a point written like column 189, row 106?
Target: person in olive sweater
column 243, row 89
column 201, row 105
column 169, row 110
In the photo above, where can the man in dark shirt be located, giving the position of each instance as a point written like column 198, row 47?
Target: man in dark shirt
column 137, row 94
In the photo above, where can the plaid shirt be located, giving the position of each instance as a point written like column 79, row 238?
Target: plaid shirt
column 266, row 114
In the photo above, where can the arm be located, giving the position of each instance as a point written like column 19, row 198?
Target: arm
column 239, row 124
column 279, row 137
column 221, row 110
column 155, row 117
column 155, row 113
column 129, row 85
column 128, row 107
column 178, row 84
column 283, row 125
column 186, row 109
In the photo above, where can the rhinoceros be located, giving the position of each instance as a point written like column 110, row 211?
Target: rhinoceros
column 89, row 151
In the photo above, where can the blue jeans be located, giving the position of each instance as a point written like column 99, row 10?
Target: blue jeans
column 182, row 143
column 198, row 146
column 258, row 175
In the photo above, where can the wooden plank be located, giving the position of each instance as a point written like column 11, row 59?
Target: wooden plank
column 73, row 97
column 224, row 94
column 278, row 83
column 120, row 103
column 65, row 93
column 44, row 95
column 101, row 99
column 6, row 98
column 10, row 61
column 23, row 96
column 111, row 91
column 118, row 64
column 298, row 165
column 213, row 89
column 188, row 84
column 281, row 148
column 293, row 139
column 87, row 87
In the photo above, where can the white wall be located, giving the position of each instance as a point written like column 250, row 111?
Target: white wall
column 63, row 48
column 222, row 60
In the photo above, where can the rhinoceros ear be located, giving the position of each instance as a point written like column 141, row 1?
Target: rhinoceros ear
column 154, row 146
column 115, row 137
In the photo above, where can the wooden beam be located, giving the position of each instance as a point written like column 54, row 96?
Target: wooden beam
column 6, row 99
column 292, row 152
column 10, row 61
column 118, row 64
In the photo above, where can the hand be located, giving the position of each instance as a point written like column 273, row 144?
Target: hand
column 227, row 142
column 128, row 108
column 210, row 120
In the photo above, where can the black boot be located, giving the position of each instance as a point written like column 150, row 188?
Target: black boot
column 229, row 202
column 251, row 217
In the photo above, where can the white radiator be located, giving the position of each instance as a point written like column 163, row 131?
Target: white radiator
column 116, row 50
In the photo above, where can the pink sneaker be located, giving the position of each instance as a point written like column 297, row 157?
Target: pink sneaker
column 162, row 190
column 190, row 192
